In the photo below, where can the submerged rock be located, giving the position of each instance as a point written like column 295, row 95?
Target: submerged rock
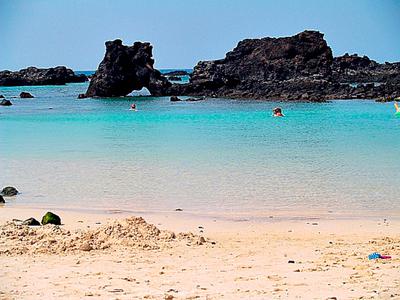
column 31, row 222
column 5, row 102
column 50, row 218
column 1, row 96
column 175, row 99
column 25, row 95
column 35, row 76
column 9, row 191
column 126, row 68
column 195, row 99
column 2, row 199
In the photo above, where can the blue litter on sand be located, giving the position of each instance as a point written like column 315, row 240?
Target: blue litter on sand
column 374, row 255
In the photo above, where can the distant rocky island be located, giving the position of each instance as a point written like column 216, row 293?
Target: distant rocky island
column 35, row 76
column 300, row 67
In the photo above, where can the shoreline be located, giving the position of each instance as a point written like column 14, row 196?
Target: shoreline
column 257, row 217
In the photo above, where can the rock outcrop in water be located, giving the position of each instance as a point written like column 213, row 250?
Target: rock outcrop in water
column 300, row 67
column 5, row 102
column 26, row 95
column 9, row 191
column 127, row 68
column 35, row 76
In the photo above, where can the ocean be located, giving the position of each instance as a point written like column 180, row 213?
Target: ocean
column 212, row 156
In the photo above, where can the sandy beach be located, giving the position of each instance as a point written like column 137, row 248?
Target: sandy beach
column 199, row 150
column 272, row 258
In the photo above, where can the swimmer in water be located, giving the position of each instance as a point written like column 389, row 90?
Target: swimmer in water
column 133, row 107
column 277, row 112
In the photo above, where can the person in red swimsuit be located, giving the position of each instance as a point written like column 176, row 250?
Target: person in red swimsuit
column 277, row 112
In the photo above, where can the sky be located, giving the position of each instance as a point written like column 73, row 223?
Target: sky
column 72, row 33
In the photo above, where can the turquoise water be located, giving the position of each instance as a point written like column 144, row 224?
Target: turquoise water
column 217, row 155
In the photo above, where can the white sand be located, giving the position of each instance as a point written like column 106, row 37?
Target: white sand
column 249, row 260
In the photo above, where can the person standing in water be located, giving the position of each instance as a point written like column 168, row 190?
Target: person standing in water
column 133, row 107
column 277, row 112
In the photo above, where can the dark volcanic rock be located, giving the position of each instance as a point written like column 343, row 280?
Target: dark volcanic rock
column 5, row 102
column 31, row 222
column 124, row 69
column 300, row 67
column 176, row 73
column 385, row 99
column 256, row 68
column 35, row 76
column 357, row 69
column 192, row 99
column 174, row 78
column 175, row 99
column 82, row 96
column 25, row 95
column 195, row 99
column 9, row 191
column 2, row 199
column 1, row 96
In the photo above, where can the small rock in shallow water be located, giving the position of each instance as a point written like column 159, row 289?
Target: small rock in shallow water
column 50, row 218
column 25, row 95
column 31, row 222
column 175, row 99
column 5, row 102
column 2, row 199
column 195, row 99
column 291, row 262
column 179, row 209
column 9, row 191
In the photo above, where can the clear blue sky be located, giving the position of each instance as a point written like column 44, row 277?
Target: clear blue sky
column 72, row 33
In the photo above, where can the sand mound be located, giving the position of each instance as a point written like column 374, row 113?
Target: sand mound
column 131, row 232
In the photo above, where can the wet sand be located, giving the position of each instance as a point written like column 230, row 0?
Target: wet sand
column 240, row 259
